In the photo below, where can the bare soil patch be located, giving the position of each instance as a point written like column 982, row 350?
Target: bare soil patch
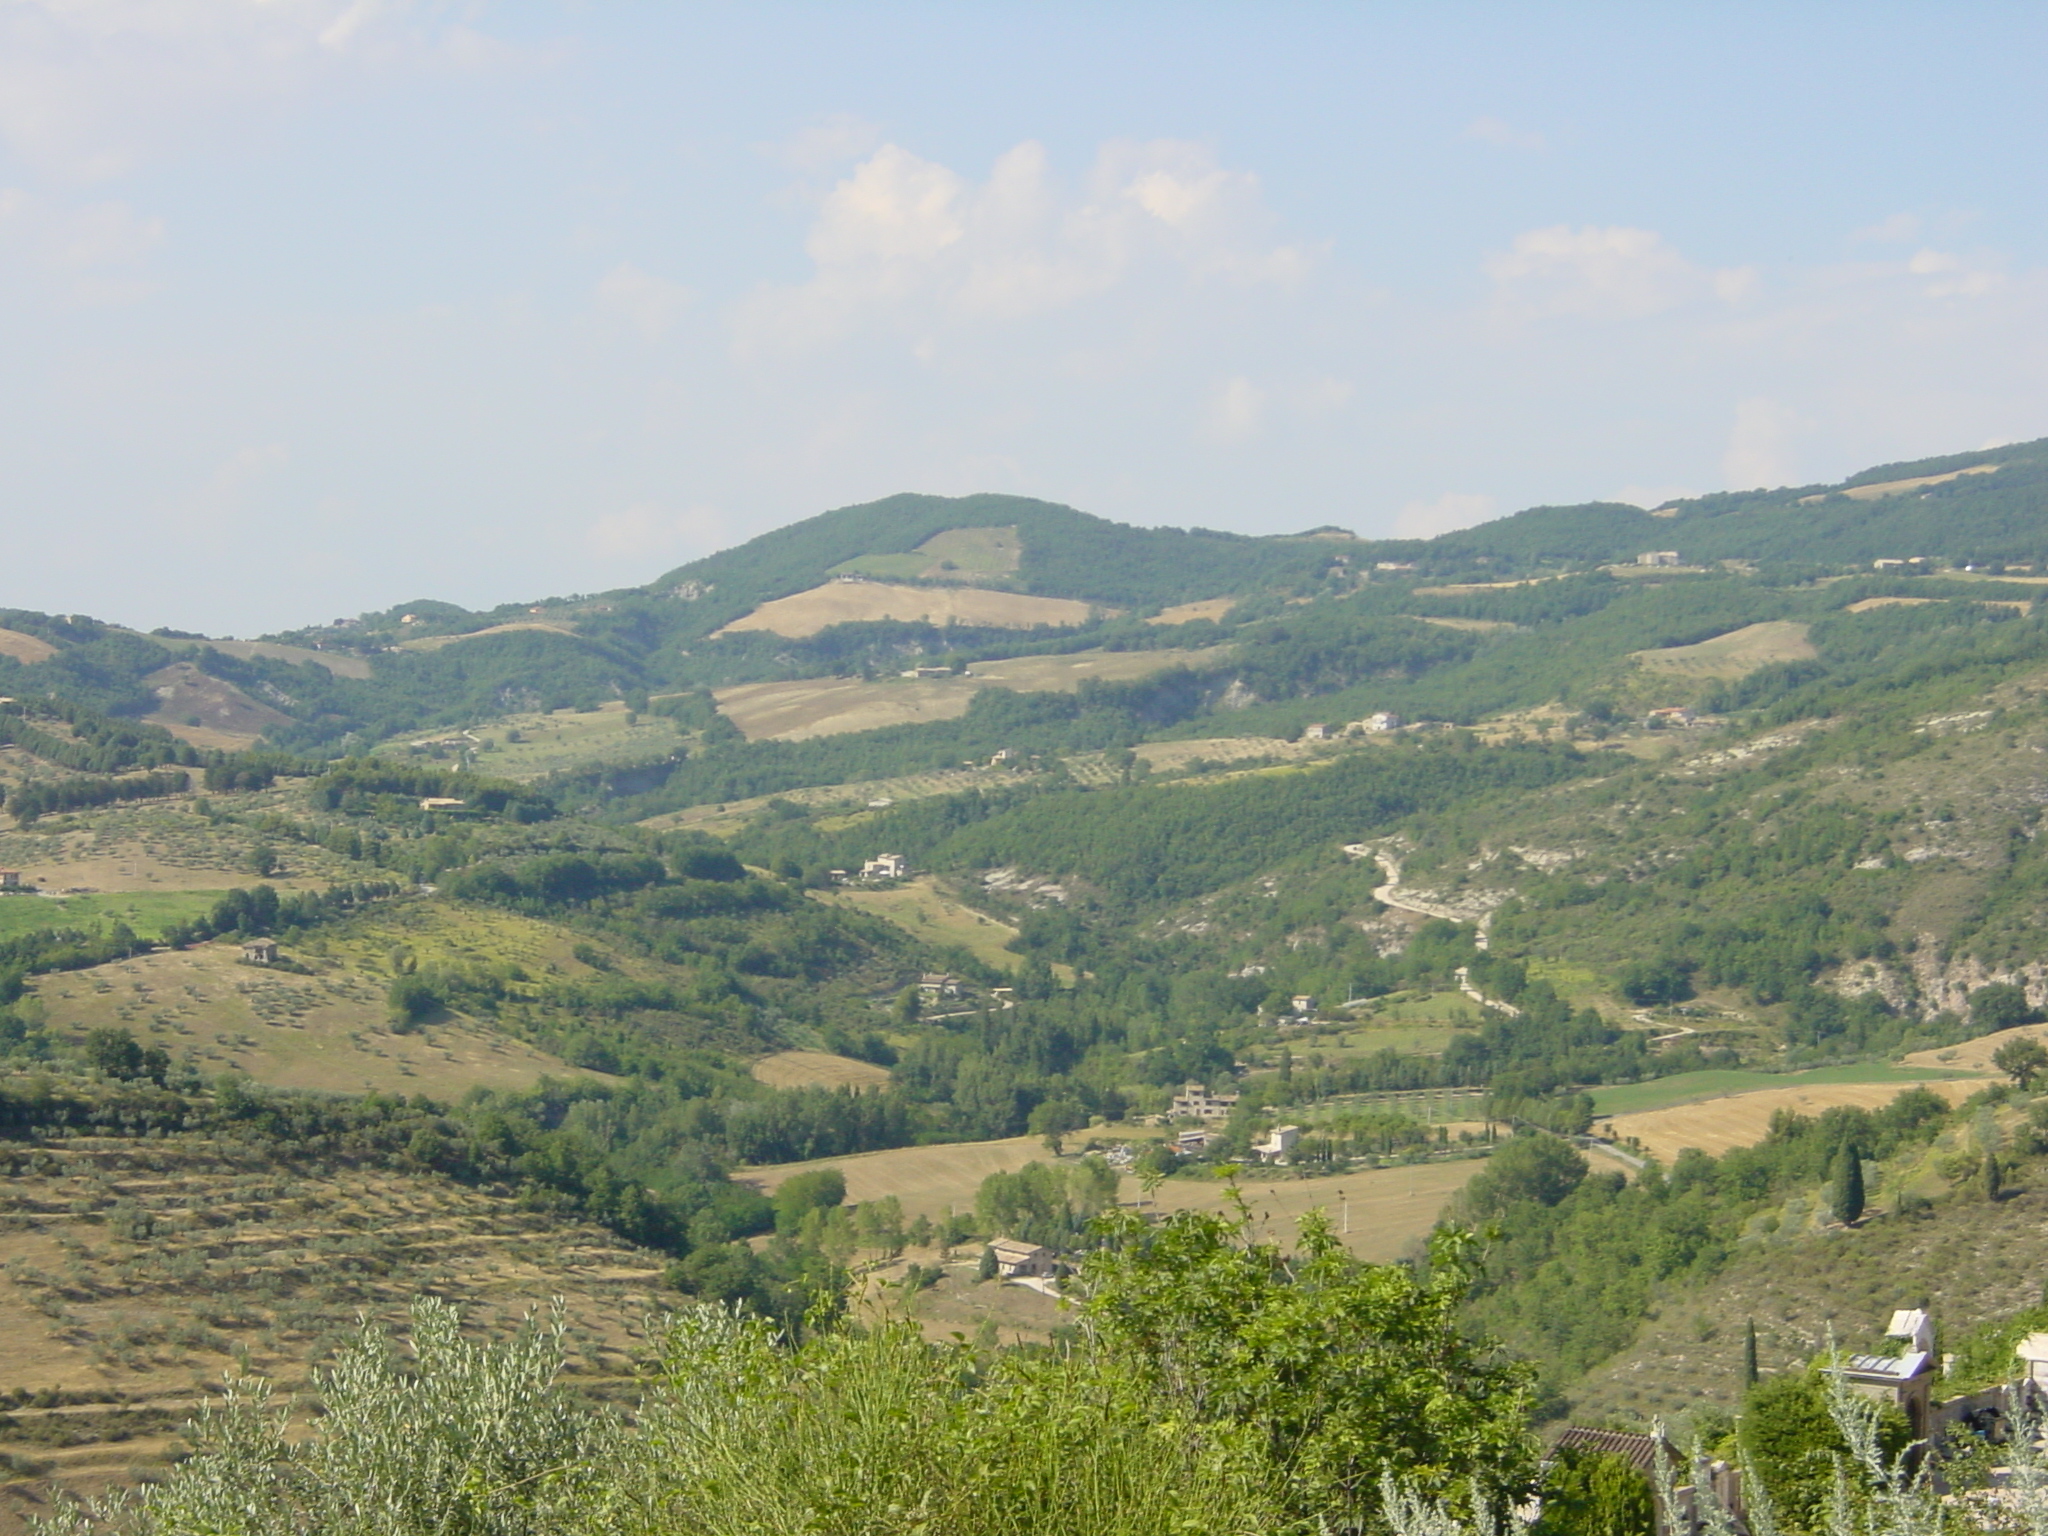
column 817, row 1069
column 1974, row 1055
column 1744, row 1119
column 1883, row 488
column 206, row 711
column 858, row 602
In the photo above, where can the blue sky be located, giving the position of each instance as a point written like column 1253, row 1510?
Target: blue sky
column 313, row 306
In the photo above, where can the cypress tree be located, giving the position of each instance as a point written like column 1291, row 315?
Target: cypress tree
column 1993, row 1180
column 1848, row 1185
column 1749, row 1371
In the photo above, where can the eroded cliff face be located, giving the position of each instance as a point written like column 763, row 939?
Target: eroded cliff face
column 1929, row 983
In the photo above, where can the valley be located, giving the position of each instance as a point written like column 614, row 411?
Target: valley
column 672, row 945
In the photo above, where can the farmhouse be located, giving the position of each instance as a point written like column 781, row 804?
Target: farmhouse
column 886, row 866
column 1015, row 1260
column 939, row 984
column 260, row 952
column 1303, row 1004
column 1379, row 720
column 1676, row 714
column 1196, row 1102
column 1657, row 557
column 442, row 803
column 10, row 879
column 1316, row 732
column 1277, row 1144
column 929, row 672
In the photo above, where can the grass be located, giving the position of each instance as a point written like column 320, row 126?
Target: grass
column 566, row 741
column 1735, row 654
column 927, row 913
column 147, row 912
column 1684, row 1087
column 958, row 554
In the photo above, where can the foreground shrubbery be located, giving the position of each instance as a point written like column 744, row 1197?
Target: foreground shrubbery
column 1215, row 1385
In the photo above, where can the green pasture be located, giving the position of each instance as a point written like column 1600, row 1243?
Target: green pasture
column 1663, row 1092
column 147, row 912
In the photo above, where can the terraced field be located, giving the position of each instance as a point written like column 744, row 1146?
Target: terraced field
column 133, row 1273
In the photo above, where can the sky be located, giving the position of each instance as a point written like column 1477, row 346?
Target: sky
column 313, row 307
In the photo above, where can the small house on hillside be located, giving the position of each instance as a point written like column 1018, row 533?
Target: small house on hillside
column 885, row 866
column 442, row 803
column 1316, row 732
column 10, row 879
column 260, row 952
column 1657, row 557
column 1278, row 1143
column 1673, row 715
column 1015, row 1260
column 939, row 984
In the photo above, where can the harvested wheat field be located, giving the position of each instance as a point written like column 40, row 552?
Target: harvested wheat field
column 862, row 602
column 929, row 1181
column 1741, row 1120
column 817, row 1069
column 28, row 649
column 1974, row 1055
column 436, row 642
column 924, row 911
column 1391, row 1209
column 201, row 709
column 339, row 663
column 1735, row 654
column 829, row 706
column 1188, row 613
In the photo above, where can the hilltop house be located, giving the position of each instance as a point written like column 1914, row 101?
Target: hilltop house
column 1015, row 1260
column 886, row 866
column 1196, row 1102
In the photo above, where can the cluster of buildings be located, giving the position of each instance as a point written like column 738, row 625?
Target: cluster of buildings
column 883, row 866
column 1373, row 724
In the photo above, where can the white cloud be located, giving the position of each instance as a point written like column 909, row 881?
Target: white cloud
column 905, row 238
column 1491, row 130
column 1608, row 272
column 1952, row 277
column 1236, row 410
column 1759, row 451
column 1444, row 514
column 649, row 304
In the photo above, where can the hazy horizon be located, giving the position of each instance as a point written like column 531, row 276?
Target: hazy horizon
column 322, row 305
